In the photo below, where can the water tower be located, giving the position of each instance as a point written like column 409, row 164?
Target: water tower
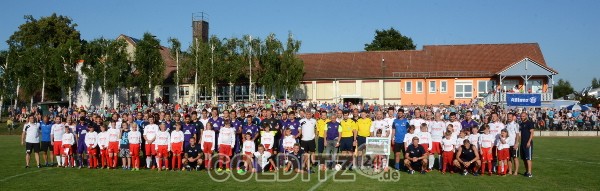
column 200, row 26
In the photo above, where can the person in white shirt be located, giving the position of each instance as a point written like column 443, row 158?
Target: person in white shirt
column 226, row 141
column 307, row 129
column 448, row 145
column 460, row 139
column 408, row 137
column 58, row 129
column 162, row 146
column 114, row 136
column 91, row 141
column 496, row 126
column 437, row 129
column 103, row 145
column 135, row 139
column 150, row 131
column 177, row 147
column 68, row 139
column 380, row 124
column 267, row 137
column 486, row 141
column 248, row 148
column 425, row 141
column 207, row 143
column 455, row 125
column 515, row 137
column 502, row 143
column 389, row 119
column 474, row 136
column 264, row 160
column 30, row 138
column 417, row 121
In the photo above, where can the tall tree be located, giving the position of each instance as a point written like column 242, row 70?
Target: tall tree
column 149, row 64
column 390, row 39
column 270, row 62
column 595, row 83
column 292, row 65
column 562, row 89
column 175, row 50
column 96, row 53
column 37, row 46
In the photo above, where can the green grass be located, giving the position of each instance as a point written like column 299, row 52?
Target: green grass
column 559, row 163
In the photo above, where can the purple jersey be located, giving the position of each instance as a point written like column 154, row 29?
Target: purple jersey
column 236, row 124
column 293, row 125
column 216, row 123
column 81, row 130
column 253, row 129
column 189, row 131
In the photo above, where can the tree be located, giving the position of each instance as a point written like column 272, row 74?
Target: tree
column 292, row 65
column 595, row 83
column 149, row 64
column 270, row 63
column 38, row 46
column 390, row 39
column 175, row 50
column 562, row 89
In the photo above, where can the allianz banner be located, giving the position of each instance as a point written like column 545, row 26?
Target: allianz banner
column 524, row 100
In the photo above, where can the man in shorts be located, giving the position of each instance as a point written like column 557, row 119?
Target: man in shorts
column 31, row 140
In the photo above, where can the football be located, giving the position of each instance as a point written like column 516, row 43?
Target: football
column 338, row 167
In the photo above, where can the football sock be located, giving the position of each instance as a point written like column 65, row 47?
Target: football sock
column 431, row 161
column 148, row 162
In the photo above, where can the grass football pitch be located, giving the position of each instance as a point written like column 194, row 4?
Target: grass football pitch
column 559, row 163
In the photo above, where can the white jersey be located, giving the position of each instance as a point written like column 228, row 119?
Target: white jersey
column 32, row 132
column 227, row 136
column 389, row 121
column 425, row 138
column 429, row 125
column 163, row 138
column 267, row 138
column 448, row 145
column 91, row 139
column 113, row 135
column 288, row 142
column 437, row 129
column 500, row 145
column 460, row 142
column 307, row 126
column 150, row 132
column 496, row 127
column 474, row 139
column 135, row 137
column 248, row 147
column 408, row 138
column 381, row 125
column 103, row 140
column 486, row 140
column 417, row 123
column 117, row 125
column 176, row 136
column 203, row 121
column 57, row 131
column 68, row 139
column 208, row 136
column 456, row 126
column 513, row 130
column 262, row 159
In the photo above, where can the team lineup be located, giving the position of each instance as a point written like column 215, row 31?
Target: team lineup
column 259, row 140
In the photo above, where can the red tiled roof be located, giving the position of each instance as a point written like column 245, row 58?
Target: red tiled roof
column 486, row 58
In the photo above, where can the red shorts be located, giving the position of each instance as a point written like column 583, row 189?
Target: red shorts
column 225, row 149
column 113, row 147
column 91, row 151
column 247, row 155
column 66, row 149
column 486, row 156
column 57, row 148
column 162, row 151
column 436, row 147
column 448, row 157
column 426, row 147
column 207, row 147
column 503, row 154
column 176, row 148
column 134, row 149
column 267, row 148
column 150, row 149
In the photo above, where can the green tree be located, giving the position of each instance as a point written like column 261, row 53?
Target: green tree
column 595, row 83
column 292, row 65
column 562, row 88
column 38, row 46
column 96, row 53
column 270, row 63
column 390, row 39
column 149, row 64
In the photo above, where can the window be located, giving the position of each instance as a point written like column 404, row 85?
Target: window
column 408, row 87
column 419, row 87
column 536, row 86
column 222, row 93
column 432, row 87
column 184, row 91
column 166, row 91
column 485, row 87
column 464, row 89
column 443, row 86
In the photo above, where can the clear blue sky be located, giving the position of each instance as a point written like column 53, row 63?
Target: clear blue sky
column 567, row 31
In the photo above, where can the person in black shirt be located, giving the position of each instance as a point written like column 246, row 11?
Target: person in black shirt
column 467, row 158
column 415, row 157
column 526, row 129
column 192, row 159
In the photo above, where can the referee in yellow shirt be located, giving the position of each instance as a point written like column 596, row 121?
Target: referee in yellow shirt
column 364, row 131
column 348, row 140
column 321, row 128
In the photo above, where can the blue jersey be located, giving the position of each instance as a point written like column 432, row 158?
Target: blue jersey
column 81, row 130
column 46, row 131
column 189, row 130
column 401, row 127
column 252, row 129
column 124, row 140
